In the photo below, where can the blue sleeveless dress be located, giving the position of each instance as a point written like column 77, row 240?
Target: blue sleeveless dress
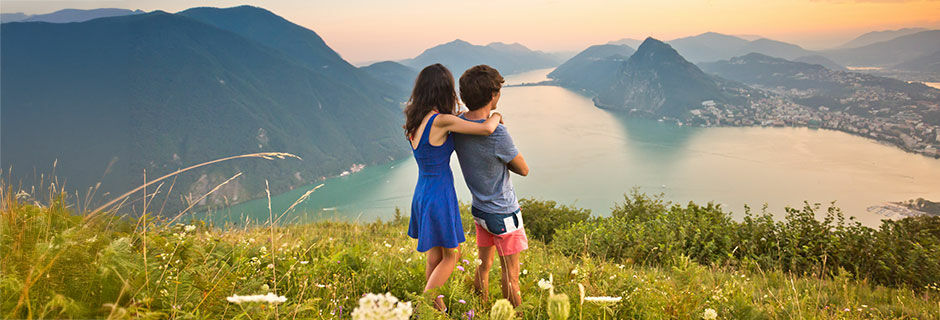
column 435, row 216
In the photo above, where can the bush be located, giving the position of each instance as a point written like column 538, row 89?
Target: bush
column 543, row 217
column 651, row 231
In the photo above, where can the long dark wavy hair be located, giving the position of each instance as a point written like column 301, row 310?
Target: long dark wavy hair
column 434, row 91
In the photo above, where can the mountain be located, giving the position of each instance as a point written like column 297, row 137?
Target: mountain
column 159, row 91
column 823, row 61
column 593, row 69
column 299, row 43
column 633, row 43
column 879, row 36
column 890, row 52
column 926, row 63
column 68, row 15
column 816, row 86
column 659, row 81
column 402, row 77
column 12, row 17
column 459, row 55
column 712, row 46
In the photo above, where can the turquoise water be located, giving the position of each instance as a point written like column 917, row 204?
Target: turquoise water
column 589, row 157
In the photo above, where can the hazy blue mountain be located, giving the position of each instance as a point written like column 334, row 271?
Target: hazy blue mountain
column 633, row 43
column 297, row 42
column 709, row 46
column 925, row 63
column 816, row 86
column 13, row 17
column 888, row 53
column 823, row 61
column 69, row 15
column 459, row 55
column 157, row 91
column 659, row 81
column 402, row 77
column 879, row 36
column 593, row 69
column 712, row 46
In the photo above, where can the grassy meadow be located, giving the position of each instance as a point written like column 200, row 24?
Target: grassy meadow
column 63, row 264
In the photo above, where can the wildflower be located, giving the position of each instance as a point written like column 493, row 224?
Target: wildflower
column 320, row 285
column 408, row 260
column 304, row 262
column 440, row 296
column 470, row 314
column 864, row 306
column 465, row 261
column 267, row 298
column 710, row 314
column 270, row 266
column 189, row 228
column 460, row 268
column 462, row 301
column 377, row 306
column 478, row 261
column 502, row 310
column 574, row 272
column 387, row 245
column 558, row 307
column 525, row 271
column 603, row 299
column 545, row 284
column 846, row 310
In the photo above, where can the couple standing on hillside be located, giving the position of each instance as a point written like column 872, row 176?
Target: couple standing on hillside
column 486, row 154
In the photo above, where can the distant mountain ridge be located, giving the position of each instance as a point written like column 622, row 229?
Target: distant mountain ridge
column 68, row 15
column 158, row 91
column 459, row 55
column 888, row 53
column 712, row 46
column 878, row 36
column 594, row 68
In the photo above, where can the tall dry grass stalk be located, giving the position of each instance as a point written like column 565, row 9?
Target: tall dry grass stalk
column 263, row 155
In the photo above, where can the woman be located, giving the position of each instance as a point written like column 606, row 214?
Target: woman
column 435, row 216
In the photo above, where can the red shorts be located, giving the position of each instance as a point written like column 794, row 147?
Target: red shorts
column 506, row 244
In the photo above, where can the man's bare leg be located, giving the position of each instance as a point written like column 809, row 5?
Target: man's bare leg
column 510, row 278
column 481, row 282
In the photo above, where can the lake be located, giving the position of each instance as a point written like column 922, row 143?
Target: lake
column 590, row 158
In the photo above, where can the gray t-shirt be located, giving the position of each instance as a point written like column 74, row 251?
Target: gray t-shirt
column 483, row 162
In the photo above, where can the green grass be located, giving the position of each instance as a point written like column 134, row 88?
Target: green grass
column 58, row 265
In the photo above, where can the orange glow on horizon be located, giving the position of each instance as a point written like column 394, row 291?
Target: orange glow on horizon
column 363, row 30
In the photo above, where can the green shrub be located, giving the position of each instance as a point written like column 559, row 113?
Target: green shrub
column 543, row 217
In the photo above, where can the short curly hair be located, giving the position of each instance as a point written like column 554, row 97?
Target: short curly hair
column 478, row 85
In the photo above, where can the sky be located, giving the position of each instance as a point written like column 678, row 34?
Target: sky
column 373, row 30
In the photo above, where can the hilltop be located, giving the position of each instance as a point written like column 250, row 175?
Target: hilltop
column 660, row 260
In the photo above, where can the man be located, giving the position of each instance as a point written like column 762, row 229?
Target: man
column 486, row 162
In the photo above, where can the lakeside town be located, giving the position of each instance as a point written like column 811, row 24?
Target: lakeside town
column 904, row 128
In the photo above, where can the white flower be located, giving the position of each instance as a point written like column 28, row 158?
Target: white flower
column 387, row 245
column 304, row 262
column 189, row 228
column 270, row 266
column 267, row 298
column 603, row 299
column 574, row 272
column 546, row 284
column 710, row 314
column 387, row 306
column 525, row 271
column 478, row 261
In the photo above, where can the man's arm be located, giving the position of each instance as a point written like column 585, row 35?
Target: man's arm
column 519, row 166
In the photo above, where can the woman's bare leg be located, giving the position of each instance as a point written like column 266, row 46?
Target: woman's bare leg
column 444, row 268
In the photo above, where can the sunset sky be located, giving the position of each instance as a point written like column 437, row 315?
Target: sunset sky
column 366, row 30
